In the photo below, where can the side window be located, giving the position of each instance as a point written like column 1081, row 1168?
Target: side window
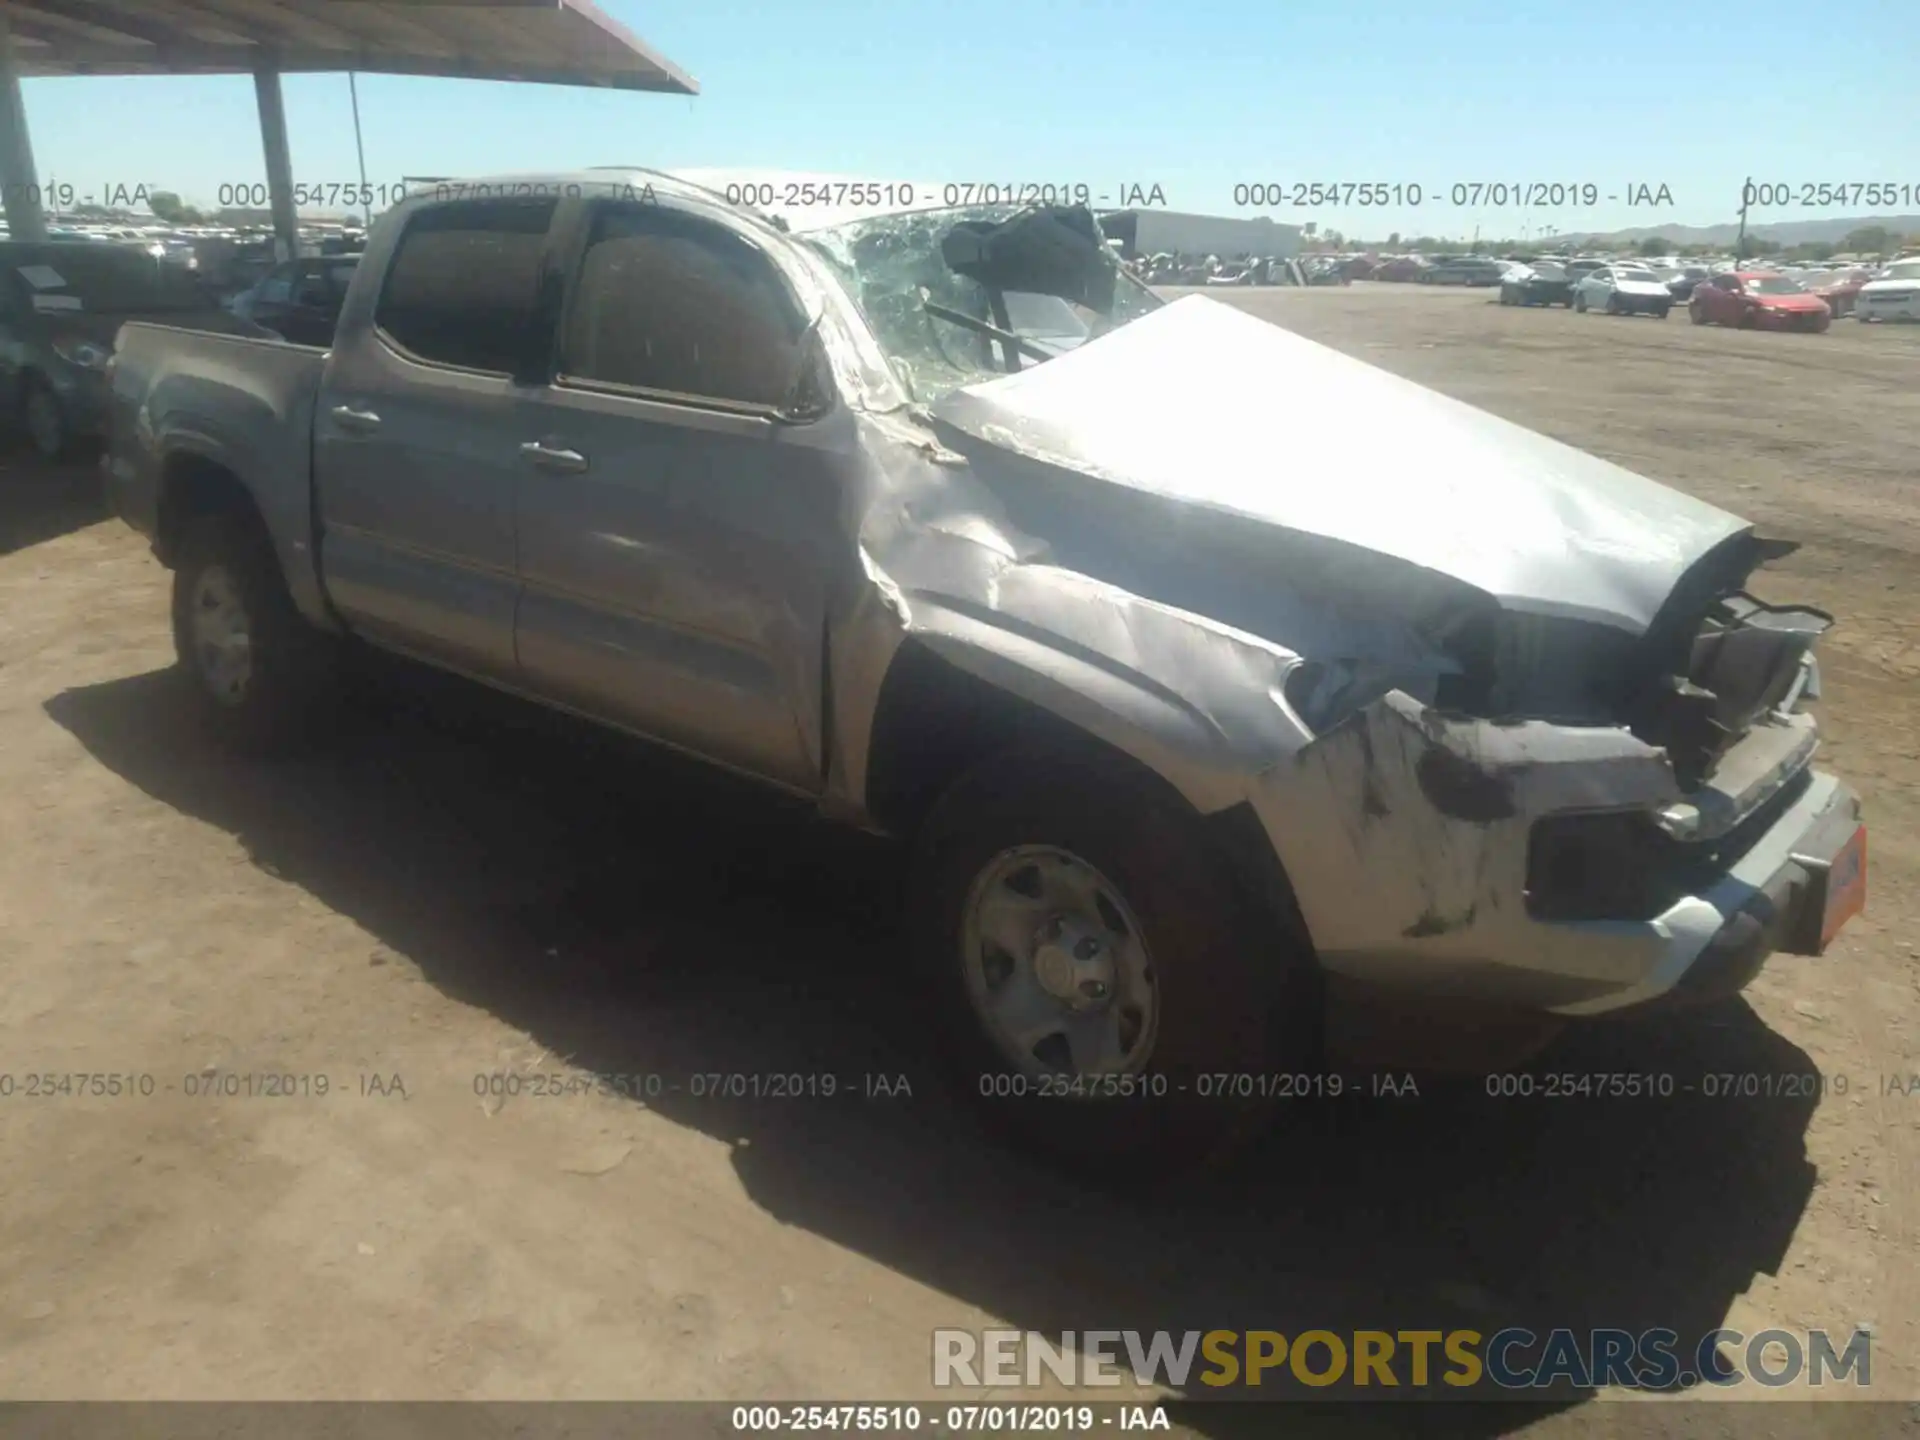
column 671, row 303
column 462, row 287
column 277, row 288
column 313, row 289
column 1725, row 282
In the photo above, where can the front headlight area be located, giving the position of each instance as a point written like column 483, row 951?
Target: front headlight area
column 87, row 354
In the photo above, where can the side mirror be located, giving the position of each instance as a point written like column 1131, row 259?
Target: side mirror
column 811, row 395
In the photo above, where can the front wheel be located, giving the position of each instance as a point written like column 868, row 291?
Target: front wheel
column 261, row 677
column 1093, row 970
column 1661, row 312
column 1613, row 305
column 1696, row 314
column 1580, row 303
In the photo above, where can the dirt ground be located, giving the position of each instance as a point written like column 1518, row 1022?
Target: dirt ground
column 462, row 888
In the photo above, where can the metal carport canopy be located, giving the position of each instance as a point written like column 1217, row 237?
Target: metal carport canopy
column 552, row 42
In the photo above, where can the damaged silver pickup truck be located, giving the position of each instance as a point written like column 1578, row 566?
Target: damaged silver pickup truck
column 1216, row 678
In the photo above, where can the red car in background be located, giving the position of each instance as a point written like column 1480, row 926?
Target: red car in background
column 1757, row 300
column 1841, row 290
column 1406, row 267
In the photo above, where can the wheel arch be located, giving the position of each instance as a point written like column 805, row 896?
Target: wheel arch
column 947, row 705
column 197, row 478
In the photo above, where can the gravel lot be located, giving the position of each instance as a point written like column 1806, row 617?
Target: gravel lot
column 448, row 894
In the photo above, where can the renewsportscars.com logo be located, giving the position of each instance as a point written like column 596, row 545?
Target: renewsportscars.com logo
column 1378, row 1360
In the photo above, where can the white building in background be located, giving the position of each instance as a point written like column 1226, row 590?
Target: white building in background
column 1155, row 232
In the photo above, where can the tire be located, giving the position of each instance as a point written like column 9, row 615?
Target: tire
column 1746, row 320
column 1227, row 995
column 1613, row 305
column 1660, row 313
column 266, row 686
column 44, row 419
column 1696, row 314
column 1580, row 303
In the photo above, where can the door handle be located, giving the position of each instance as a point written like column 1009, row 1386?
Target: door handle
column 547, row 457
column 351, row 418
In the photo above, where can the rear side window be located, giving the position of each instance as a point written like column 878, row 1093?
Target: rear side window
column 670, row 303
column 462, row 288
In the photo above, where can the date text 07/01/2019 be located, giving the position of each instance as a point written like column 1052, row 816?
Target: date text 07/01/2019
column 1460, row 195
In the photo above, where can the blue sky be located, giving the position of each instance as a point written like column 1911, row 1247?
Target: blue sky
column 1196, row 97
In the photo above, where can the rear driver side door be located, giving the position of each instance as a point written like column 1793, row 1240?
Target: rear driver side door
column 422, row 409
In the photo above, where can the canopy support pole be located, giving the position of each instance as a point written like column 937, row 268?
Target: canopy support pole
column 19, row 185
column 273, row 139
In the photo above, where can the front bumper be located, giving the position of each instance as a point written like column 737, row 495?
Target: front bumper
column 1406, row 837
column 1772, row 900
column 1769, row 319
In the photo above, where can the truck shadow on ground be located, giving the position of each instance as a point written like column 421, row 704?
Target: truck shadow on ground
column 642, row 914
column 41, row 500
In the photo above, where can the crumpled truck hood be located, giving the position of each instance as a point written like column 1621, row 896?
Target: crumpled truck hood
column 1204, row 405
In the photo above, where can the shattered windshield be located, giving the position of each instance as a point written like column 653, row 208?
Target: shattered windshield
column 898, row 271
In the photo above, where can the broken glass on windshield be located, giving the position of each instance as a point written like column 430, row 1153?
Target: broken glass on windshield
column 948, row 292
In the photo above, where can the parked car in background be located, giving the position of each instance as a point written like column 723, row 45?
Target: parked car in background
column 1582, row 266
column 1680, row 284
column 61, row 304
column 1465, row 270
column 1400, row 269
column 299, row 300
column 1622, row 290
column 1893, row 294
column 1541, row 283
column 1475, row 717
column 1757, row 299
column 1840, row 287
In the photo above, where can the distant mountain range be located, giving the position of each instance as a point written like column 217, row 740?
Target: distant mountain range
column 1784, row 232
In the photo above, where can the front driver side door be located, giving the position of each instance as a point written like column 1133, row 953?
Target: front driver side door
column 676, row 534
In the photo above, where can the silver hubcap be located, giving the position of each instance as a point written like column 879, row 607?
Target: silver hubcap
column 1057, row 965
column 43, row 422
column 222, row 635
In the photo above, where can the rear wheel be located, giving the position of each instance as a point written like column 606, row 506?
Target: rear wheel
column 261, row 677
column 1093, row 970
